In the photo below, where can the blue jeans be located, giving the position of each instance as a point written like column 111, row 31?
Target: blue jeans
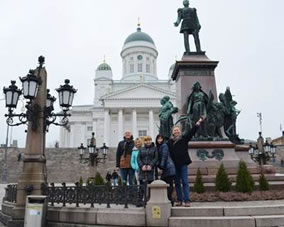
column 182, row 178
column 124, row 173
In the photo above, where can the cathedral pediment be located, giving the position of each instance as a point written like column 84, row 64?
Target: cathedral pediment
column 141, row 91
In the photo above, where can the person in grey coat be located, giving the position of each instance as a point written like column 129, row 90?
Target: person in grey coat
column 166, row 164
column 147, row 160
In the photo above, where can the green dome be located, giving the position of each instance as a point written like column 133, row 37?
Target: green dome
column 139, row 36
column 104, row 67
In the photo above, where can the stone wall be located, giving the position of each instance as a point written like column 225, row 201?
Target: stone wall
column 63, row 165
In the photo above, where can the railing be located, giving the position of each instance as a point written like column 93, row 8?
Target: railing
column 11, row 193
column 89, row 194
column 95, row 194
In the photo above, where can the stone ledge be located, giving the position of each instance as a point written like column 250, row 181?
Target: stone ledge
column 72, row 215
column 269, row 220
column 244, row 221
column 121, row 217
column 4, row 218
column 197, row 211
column 254, row 210
column 7, row 208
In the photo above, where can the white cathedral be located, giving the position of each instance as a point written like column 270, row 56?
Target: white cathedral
column 131, row 103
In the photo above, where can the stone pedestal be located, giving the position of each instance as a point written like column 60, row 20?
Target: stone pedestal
column 206, row 155
column 158, row 209
column 209, row 155
column 196, row 67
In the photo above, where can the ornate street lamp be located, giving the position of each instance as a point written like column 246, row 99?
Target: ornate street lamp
column 50, row 101
column 96, row 155
column 81, row 151
column 12, row 95
column 30, row 84
column 66, row 95
column 262, row 152
column 104, row 149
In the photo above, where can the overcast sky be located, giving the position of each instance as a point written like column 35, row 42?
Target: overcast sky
column 245, row 36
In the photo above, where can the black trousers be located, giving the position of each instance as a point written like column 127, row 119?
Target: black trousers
column 170, row 180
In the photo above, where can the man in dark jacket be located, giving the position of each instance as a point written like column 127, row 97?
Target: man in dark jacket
column 123, row 158
column 178, row 146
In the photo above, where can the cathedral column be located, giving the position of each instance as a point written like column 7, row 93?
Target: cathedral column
column 106, row 127
column 61, row 137
column 151, row 124
column 134, row 123
column 120, row 124
column 72, row 135
column 83, row 133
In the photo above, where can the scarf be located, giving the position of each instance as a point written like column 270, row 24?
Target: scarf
column 175, row 138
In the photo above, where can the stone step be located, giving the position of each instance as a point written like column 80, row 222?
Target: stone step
column 212, row 178
column 274, row 185
column 240, row 221
column 233, row 221
column 269, row 220
column 227, row 211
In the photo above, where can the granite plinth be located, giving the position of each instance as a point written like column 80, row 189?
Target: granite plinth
column 193, row 68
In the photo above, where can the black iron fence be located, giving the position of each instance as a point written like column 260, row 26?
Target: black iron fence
column 11, row 193
column 89, row 194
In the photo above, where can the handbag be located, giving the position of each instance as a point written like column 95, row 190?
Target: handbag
column 125, row 161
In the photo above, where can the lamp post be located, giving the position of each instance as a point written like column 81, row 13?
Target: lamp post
column 95, row 155
column 38, row 116
column 4, row 174
column 81, row 151
column 262, row 151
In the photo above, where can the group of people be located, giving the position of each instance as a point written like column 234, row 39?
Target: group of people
column 146, row 160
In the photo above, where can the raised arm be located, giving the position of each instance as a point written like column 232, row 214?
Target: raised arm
column 188, row 136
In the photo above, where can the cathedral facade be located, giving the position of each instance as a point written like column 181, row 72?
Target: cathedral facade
column 131, row 103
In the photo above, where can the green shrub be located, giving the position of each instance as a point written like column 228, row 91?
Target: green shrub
column 223, row 183
column 119, row 182
column 81, row 181
column 198, row 185
column 245, row 181
column 99, row 180
column 263, row 183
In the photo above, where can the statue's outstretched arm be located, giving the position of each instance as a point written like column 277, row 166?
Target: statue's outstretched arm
column 178, row 18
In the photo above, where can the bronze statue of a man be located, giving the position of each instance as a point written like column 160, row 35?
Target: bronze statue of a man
column 190, row 25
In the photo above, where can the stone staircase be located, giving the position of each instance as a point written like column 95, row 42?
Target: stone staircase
column 63, row 165
column 235, row 214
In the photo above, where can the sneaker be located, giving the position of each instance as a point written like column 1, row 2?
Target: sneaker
column 187, row 204
column 178, row 204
